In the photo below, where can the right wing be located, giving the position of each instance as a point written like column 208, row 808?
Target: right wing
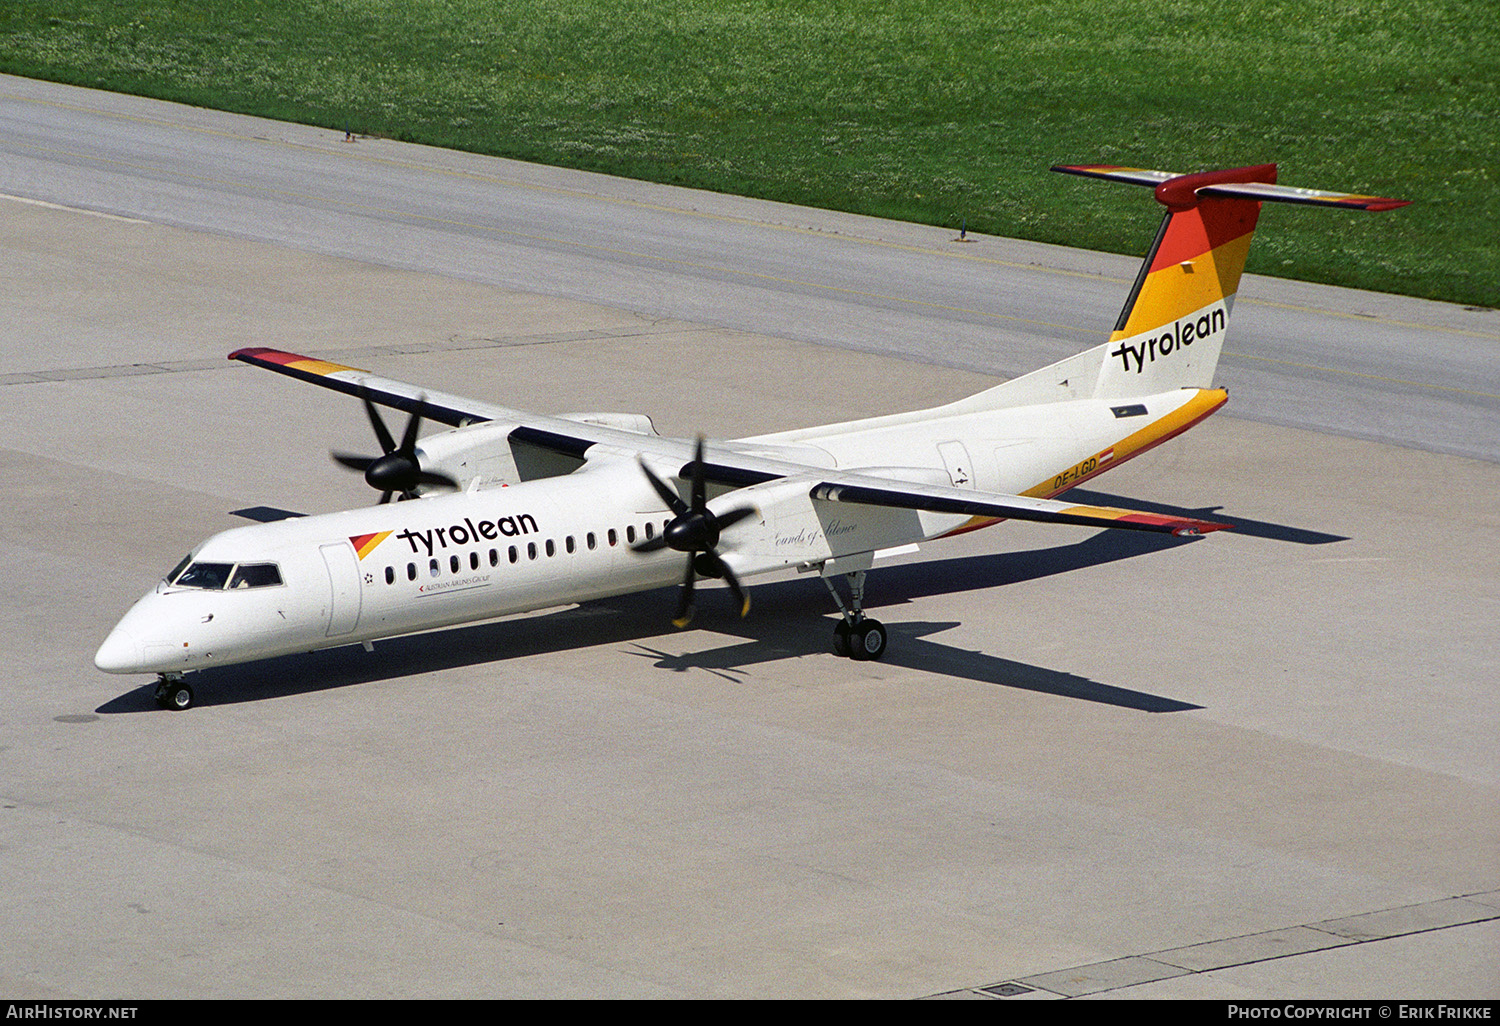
column 985, row 507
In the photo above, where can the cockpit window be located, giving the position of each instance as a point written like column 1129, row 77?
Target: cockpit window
column 204, row 575
column 179, row 568
column 255, row 575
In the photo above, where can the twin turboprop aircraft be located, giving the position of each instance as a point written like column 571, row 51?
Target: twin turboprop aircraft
column 520, row 511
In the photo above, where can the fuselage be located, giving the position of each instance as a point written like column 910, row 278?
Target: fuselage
column 344, row 578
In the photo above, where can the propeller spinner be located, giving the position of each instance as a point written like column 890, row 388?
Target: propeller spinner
column 397, row 470
column 695, row 530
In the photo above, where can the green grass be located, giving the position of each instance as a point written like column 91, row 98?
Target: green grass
column 933, row 111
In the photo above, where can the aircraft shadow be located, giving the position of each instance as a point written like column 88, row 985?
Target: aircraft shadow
column 792, row 619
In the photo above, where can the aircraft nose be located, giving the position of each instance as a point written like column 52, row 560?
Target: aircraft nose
column 120, row 653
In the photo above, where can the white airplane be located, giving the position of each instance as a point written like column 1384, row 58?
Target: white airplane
column 521, row 512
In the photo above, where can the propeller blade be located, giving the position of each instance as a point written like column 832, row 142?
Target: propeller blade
column 387, row 443
column 721, row 569
column 353, row 462
column 734, row 516
column 740, row 594
column 433, row 477
column 685, row 600
column 668, row 494
column 409, row 438
column 699, row 488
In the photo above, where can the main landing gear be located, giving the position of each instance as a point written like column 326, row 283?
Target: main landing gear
column 173, row 693
column 856, row 636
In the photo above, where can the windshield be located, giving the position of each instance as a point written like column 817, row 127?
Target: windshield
column 255, row 575
column 204, row 575
column 179, row 568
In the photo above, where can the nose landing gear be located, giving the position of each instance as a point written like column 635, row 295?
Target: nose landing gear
column 857, row 636
column 173, row 693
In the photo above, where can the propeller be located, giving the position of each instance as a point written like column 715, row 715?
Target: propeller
column 398, row 470
column 695, row 530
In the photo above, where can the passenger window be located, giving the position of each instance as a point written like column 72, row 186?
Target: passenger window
column 514, row 555
column 629, row 534
column 434, row 567
column 568, row 544
column 453, row 564
column 649, row 529
column 390, row 575
column 614, row 539
column 591, row 541
column 473, row 561
column 256, row 575
column 494, row 557
column 411, row 571
column 531, row 550
column 551, row 548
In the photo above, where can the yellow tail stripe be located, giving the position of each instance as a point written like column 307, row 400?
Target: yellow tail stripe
column 1174, row 291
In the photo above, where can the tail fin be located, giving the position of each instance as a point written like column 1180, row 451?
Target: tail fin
column 1171, row 331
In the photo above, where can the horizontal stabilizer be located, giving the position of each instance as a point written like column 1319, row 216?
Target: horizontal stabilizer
column 1268, row 192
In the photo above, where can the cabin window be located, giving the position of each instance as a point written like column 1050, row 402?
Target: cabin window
column 531, row 550
column 390, row 575
column 514, row 555
column 411, row 571
column 211, row 576
column 256, row 575
column 434, row 567
column 649, row 529
column 473, row 561
column 453, row 564
column 568, row 543
column 630, row 534
column 614, row 539
column 494, row 557
column 591, row 541
column 551, row 547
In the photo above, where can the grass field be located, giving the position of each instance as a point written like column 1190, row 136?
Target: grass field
column 938, row 111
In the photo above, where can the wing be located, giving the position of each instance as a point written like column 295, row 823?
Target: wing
column 726, row 468
column 985, row 507
column 452, row 410
column 567, row 437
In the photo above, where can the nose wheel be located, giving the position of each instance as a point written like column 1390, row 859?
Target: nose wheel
column 857, row 636
column 173, row 693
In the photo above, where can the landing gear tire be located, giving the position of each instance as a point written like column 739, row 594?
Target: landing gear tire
column 867, row 640
column 842, row 646
column 864, row 640
column 174, row 695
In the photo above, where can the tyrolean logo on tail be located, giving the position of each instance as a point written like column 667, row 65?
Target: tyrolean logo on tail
column 1183, row 333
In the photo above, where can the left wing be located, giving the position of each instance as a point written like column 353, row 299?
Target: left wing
column 452, row 410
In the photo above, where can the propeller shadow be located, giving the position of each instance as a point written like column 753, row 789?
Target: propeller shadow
column 792, row 622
